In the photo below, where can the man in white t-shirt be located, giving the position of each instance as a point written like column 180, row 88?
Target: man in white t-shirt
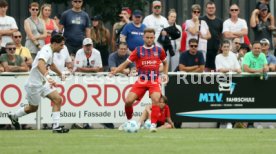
column 7, row 25
column 63, row 60
column 156, row 21
column 88, row 59
column 234, row 26
column 40, row 84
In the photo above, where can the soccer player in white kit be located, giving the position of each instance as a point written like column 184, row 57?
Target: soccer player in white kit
column 40, row 84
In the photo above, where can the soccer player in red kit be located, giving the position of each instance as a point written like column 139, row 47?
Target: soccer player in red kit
column 148, row 59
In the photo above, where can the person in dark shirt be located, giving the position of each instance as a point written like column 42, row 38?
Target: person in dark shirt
column 76, row 24
column 192, row 60
column 215, row 25
column 117, row 58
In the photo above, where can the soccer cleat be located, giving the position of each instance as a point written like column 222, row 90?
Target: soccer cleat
column 14, row 121
column 153, row 128
column 60, row 129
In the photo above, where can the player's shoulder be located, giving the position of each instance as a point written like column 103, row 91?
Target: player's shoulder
column 46, row 49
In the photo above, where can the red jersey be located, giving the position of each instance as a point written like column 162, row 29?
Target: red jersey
column 147, row 61
column 164, row 113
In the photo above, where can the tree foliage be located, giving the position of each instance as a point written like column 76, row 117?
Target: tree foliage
column 108, row 9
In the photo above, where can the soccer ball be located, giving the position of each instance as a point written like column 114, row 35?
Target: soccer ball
column 131, row 126
column 147, row 124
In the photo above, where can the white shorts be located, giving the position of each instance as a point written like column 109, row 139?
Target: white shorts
column 34, row 93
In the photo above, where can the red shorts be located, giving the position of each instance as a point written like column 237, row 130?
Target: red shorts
column 140, row 87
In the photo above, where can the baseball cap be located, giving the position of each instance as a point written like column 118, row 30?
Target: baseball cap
column 87, row 41
column 137, row 13
column 128, row 10
column 264, row 41
column 97, row 17
column 156, row 3
column 263, row 7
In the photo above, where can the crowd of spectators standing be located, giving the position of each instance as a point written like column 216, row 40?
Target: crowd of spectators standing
column 91, row 47
column 202, row 44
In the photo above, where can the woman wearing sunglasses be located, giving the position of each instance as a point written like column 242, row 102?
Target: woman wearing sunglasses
column 35, row 30
column 198, row 29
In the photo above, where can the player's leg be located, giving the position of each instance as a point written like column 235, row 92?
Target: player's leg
column 57, row 100
column 145, row 115
column 131, row 97
column 136, row 93
column 165, row 126
column 34, row 99
column 155, row 109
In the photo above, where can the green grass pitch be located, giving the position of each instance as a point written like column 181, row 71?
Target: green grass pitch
column 105, row 141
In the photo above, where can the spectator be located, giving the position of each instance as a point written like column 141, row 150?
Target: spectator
column 198, row 29
column 192, row 60
column 51, row 26
column 57, row 22
column 234, row 26
column 7, row 26
column 226, row 61
column 21, row 50
column 133, row 32
column 1, row 68
column 262, row 29
column 271, row 60
column 75, row 24
column 12, row 62
column 236, row 44
column 183, row 38
column 35, row 30
column 101, row 38
column 164, row 119
column 174, row 60
column 242, row 51
column 118, row 27
column 215, row 25
column 63, row 60
column 88, row 59
column 255, row 61
column 270, row 16
column 156, row 21
column 117, row 58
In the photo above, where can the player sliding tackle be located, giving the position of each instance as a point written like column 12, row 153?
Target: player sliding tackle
column 148, row 59
column 40, row 84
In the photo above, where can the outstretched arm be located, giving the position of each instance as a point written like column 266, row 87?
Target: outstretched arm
column 121, row 67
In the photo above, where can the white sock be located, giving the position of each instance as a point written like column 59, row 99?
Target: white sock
column 20, row 112
column 56, row 117
column 139, row 124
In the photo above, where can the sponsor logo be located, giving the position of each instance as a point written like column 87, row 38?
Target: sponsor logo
column 227, row 86
column 149, row 62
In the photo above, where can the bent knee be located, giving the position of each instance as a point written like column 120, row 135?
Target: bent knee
column 31, row 108
column 57, row 100
column 129, row 102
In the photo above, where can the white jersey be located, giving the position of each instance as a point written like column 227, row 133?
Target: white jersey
column 7, row 23
column 61, row 58
column 36, row 78
column 157, row 24
column 94, row 60
column 229, row 62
